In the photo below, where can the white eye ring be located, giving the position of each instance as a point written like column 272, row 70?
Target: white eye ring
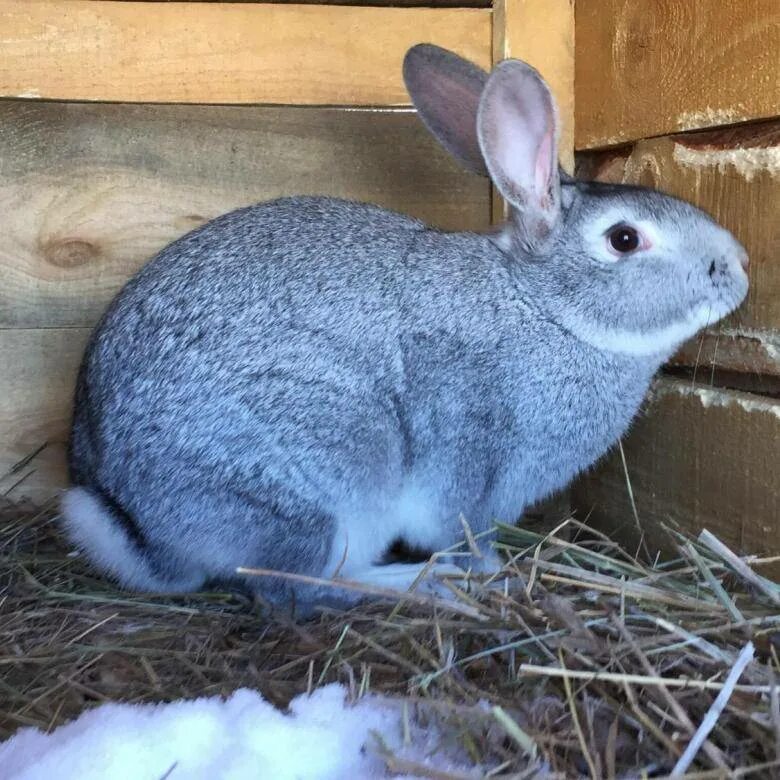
column 595, row 235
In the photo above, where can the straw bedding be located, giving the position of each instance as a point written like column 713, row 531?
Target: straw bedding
column 578, row 660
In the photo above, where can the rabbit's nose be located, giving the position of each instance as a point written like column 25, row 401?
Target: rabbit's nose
column 742, row 256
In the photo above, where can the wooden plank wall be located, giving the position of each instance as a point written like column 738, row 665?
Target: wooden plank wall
column 653, row 67
column 370, row 3
column 223, row 52
column 705, row 451
column 89, row 192
column 698, row 457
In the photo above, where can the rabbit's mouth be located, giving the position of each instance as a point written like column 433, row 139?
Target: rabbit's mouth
column 730, row 286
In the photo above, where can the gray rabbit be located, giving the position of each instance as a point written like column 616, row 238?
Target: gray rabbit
column 300, row 384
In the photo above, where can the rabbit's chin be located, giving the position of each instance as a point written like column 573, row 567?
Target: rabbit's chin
column 658, row 343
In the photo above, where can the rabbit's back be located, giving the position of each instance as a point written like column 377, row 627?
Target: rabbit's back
column 256, row 357
column 296, row 289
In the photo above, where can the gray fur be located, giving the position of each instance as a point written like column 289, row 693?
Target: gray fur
column 310, row 366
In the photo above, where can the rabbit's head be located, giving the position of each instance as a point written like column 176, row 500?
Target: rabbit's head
column 624, row 268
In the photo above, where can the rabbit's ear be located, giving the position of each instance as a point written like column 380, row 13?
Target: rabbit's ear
column 445, row 90
column 518, row 130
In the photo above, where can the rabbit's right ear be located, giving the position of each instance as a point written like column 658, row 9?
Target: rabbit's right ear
column 445, row 90
column 518, row 130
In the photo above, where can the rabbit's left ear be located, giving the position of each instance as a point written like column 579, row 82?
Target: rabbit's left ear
column 518, row 129
column 445, row 90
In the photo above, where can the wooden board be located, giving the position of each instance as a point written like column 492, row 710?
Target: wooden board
column 223, row 52
column 35, row 406
column 754, row 354
column 654, row 67
column 393, row 3
column 88, row 193
column 703, row 458
column 734, row 174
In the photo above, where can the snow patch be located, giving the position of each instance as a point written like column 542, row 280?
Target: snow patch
column 322, row 737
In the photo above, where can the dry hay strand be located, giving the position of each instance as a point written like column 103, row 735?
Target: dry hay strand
column 576, row 660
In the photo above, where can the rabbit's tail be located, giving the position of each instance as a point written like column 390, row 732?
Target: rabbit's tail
column 98, row 530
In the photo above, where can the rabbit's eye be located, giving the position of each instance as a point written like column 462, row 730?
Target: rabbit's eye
column 623, row 239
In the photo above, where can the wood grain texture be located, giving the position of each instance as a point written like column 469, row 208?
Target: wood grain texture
column 89, row 192
column 701, row 458
column 734, row 174
column 35, row 406
column 391, row 3
column 754, row 353
column 654, row 67
column 223, row 52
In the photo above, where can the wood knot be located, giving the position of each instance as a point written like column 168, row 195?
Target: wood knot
column 69, row 252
